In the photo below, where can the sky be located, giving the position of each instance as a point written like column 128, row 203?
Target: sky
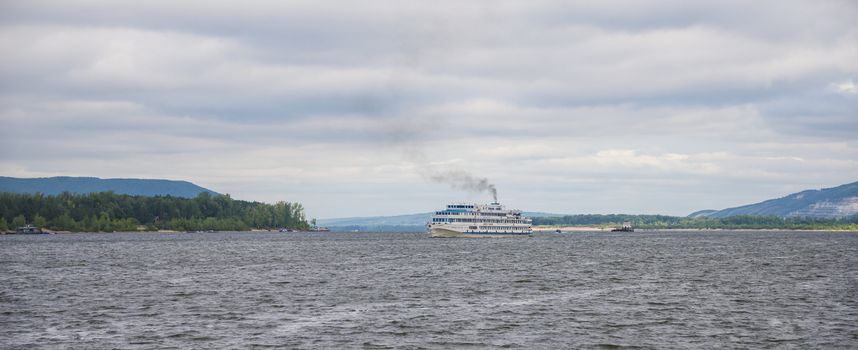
column 358, row 108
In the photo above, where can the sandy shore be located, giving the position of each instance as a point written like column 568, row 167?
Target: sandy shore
column 568, row 229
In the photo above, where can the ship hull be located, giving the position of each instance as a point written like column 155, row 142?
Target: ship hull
column 438, row 232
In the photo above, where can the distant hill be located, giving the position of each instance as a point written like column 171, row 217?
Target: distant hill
column 135, row 187
column 836, row 202
column 702, row 213
column 395, row 220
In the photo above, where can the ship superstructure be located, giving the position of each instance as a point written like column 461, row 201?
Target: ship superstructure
column 478, row 220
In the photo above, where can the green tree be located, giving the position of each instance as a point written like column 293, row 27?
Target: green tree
column 124, row 225
column 40, row 221
column 19, row 221
column 65, row 222
column 103, row 223
column 3, row 225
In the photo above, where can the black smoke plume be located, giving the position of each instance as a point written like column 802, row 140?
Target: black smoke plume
column 462, row 180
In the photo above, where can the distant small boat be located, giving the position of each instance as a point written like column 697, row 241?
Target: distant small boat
column 627, row 227
column 29, row 230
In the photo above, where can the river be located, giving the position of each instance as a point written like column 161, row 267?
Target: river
column 647, row 290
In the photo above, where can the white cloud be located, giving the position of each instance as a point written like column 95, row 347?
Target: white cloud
column 846, row 87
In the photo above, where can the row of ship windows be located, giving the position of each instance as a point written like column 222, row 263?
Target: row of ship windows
column 460, row 206
column 469, row 214
column 497, row 228
column 478, row 220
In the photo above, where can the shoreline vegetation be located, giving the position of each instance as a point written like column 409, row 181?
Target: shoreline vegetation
column 110, row 212
column 595, row 222
column 590, row 229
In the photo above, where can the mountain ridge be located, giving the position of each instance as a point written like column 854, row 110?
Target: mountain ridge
column 826, row 203
column 130, row 186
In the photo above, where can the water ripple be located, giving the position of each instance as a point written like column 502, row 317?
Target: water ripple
column 405, row 291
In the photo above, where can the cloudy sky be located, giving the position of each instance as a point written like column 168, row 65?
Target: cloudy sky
column 351, row 107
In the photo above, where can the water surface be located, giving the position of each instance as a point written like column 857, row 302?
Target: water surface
column 376, row 290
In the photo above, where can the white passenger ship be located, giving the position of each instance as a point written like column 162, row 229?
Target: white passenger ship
column 478, row 220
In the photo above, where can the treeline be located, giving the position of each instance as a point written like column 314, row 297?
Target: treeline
column 678, row 222
column 106, row 212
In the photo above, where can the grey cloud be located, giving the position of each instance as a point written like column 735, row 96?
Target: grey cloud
column 367, row 90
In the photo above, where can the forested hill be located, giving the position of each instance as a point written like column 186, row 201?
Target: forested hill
column 835, row 202
column 105, row 211
column 134, row 187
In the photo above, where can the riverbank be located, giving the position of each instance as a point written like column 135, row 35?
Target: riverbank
column 568, row 228
column 563, row 229
column 53, row 232
column 742, row 230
